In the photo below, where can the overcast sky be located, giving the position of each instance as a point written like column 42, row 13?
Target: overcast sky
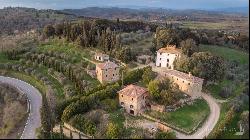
column 172, row 4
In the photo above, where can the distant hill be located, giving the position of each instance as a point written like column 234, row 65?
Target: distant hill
column 150, row 14
column 21, row 19
column 239, row 10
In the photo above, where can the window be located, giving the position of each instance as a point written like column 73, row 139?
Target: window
column 167, row 65
column 177, row 79
column 168, row 54
column 167, row 60
column 106, row 75
column 188, row 83
column 160, row 58
column 122, row 103
column 106, row 69
column 115, row 68
column 113, row 74
column 160, row 53
column 122, row 95
column 132, row 99
column 131, row 106
column 182, row 81
column 172, row 77
column 143, row 97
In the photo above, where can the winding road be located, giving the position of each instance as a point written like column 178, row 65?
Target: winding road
column 35, row 102
column 210, row 122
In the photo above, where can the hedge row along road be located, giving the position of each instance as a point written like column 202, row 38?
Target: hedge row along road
column 35, row 101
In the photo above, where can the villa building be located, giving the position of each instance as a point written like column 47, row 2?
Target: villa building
column 166, row 56
column 133, row 99
column 107, row 72
column 187, row 83
column 101, row 57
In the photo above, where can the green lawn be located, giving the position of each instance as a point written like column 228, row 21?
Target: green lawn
column 227, row 53
column 187, row 117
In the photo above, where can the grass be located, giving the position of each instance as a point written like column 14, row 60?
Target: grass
column 232, row 128
column 216, row 89
column 187, row 117
column 70, row 49
column 56, row 85
column 240, row 26
column 29, row 79
column 227, row 53
column 117, row 117
column 141, row 45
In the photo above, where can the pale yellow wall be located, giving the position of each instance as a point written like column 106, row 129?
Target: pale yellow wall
column 192, row 89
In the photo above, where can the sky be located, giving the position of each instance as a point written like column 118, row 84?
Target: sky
column 171, row 4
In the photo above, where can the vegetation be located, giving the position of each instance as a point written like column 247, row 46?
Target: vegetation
column 204, row 65
column 227, row 53
column 189, row 47
column 187, row 117
column 164, row 92
column 10, row 117
column 165, row 135
column 113, row 131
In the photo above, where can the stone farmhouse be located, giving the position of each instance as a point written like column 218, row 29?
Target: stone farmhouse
column 187, row 83
column 101, row 57
column 133, row 99
column 166, row 56
column 107, row 72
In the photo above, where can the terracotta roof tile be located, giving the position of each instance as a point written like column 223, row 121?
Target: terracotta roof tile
column 183, row 75
column 101, row 54
column 133, row 91
column 107, row 65
column 170, row 49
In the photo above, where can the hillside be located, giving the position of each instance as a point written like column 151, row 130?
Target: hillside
column 20, row 19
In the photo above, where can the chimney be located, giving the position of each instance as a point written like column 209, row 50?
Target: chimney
column 189, row 74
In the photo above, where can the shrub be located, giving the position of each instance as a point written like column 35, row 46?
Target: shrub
column 109, row 104
column 226, row 92
column 165, row 135
column 113, row 131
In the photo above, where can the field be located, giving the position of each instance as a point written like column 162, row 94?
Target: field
column 231, row 25
column 187, row 117
column 227, row 53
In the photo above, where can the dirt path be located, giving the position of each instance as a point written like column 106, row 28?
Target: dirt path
column 209, row 124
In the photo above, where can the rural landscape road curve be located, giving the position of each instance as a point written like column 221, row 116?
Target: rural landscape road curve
column 210, row 122
column 35, row 100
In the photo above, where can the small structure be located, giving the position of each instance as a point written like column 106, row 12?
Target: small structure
column 107, row 72
column 101, row 57
column 133, row 99
column 187, row 82
column 166, row 56
column 156, row 107
column 163, row 127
